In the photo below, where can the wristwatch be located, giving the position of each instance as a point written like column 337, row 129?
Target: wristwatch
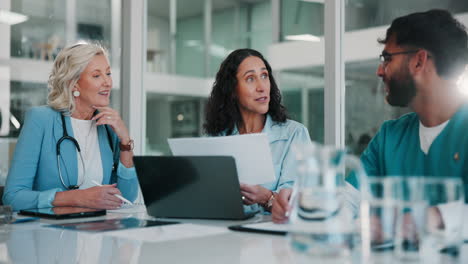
column 269, row 204
column 126, row 147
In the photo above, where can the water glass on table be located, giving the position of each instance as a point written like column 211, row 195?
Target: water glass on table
column 430, row 220
column 383, row 211
column 322, row 220
column 6, row 214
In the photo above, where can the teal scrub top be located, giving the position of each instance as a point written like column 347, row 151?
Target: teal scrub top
column 395, row 150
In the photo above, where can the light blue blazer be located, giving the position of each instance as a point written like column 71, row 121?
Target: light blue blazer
column 33, row 178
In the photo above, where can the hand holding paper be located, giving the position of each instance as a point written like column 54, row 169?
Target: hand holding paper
column 252, row 154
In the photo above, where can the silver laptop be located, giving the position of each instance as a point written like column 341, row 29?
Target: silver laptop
column 204, row 187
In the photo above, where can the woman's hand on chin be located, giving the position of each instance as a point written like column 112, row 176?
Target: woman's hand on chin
column 109, row 116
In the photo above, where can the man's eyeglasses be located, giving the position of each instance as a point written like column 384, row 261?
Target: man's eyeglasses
column 386, row 57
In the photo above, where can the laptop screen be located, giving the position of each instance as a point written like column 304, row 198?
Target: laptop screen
column 190, row 187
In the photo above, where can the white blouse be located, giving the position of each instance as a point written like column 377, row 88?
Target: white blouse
column 85, row 132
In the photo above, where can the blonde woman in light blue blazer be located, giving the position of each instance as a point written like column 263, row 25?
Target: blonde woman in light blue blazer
column 53, row 166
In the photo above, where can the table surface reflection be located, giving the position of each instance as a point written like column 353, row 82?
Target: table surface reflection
column 191, row 241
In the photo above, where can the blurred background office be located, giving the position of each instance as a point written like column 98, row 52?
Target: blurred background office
column 164, row 54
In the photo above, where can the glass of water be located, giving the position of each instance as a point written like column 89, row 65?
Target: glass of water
column 6, row 214
column 322, row 220
column 383, row 210
column 430, row 220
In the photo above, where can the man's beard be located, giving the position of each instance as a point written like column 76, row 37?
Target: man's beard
column 401, row 90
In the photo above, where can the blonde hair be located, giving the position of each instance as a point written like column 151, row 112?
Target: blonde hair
column 68, row 66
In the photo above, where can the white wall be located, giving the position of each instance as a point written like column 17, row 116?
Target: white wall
column 302, row 54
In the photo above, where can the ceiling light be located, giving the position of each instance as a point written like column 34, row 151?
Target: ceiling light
column 11, row 18
column 303, row 37
column 193, row 43
column 314, row 1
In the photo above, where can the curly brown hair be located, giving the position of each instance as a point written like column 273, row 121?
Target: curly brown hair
column 222, row 110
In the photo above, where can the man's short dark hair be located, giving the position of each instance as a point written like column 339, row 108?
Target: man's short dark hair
column 436, row 31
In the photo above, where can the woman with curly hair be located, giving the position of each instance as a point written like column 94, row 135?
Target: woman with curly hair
column 245, row 99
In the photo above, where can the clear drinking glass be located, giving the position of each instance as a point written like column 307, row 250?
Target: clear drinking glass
column 443, row 225
column 430, row 219
column 6, row 214
column 324, row 206
column 383, row 210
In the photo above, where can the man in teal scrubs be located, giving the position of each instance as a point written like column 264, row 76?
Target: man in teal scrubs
column 423, row 57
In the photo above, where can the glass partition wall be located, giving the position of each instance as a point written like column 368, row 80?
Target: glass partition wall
column 302, row 84
column 200, row 35
column 184, row 43
column 303, row 95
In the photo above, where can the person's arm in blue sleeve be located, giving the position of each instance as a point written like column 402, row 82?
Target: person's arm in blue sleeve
column 289, row 167
column 19, row 185
column 127, row 182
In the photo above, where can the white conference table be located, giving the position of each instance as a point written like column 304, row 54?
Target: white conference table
column 192, row 241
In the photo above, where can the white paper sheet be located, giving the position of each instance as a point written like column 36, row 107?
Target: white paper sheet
column 252, row 154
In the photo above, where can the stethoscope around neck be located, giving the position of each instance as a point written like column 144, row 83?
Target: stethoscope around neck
column 73, row 140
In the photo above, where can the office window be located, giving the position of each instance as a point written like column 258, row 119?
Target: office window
column 260, row 26
column 364, row 14
column 28, row 48
column 368, row 20
column 301, row 19
column 243, row 24
column 93, row 21
column 229, row 31
column 302, row 81
column 181, row 66
column 190, row 46
column 171, row 116
column 158, row 38
column 303, row 96
column 174, row 82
